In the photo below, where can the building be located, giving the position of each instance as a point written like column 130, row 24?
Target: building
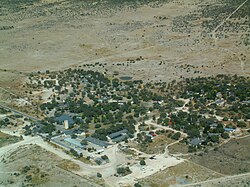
column 73, row 131
column 213, row 125
column 246, row 102
column 97, row 142
column 195, row 142
column 229, row 129
column 220, row 102
column 74, row 142
column 219, row 95
column 66, row 121
column 118, row 136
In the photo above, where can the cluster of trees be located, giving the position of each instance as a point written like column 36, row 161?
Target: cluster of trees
column 47, row 128
column 123, row 171
column 102, row 133
column 119, row 105
column 115, row 105
column 232, row 88
column 205, row 91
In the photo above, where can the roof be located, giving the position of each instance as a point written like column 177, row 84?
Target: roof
column 120, row 138
column 69, row 132
column 62, row 118
column 195, row 141
column 219, row 101
column 213, row 125
column 229, row 129
column 74, row 142
column 213, row 134
column 72, row 131
column 246, row 102
column 79, row 151
column 97, row 141
column 117, row 134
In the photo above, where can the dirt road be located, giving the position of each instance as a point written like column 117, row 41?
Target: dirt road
column 149, row 122
column 221, row 180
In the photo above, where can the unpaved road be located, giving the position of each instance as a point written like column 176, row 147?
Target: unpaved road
column 217, row 181
column 149, row 122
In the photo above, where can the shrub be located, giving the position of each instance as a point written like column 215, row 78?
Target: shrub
column 142, row 163
column 99, row 175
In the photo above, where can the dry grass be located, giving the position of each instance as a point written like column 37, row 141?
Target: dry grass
column 178, row 148
column 186, row 172
column 158, row 145
column 68, row 165
column 6, row 139
column 85, row 160
column 230, row 159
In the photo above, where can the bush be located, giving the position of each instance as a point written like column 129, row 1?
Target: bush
column 215, row 138
column 25, row 169
column 97, row 126
column 123, row 171
column 225, row 135
column 191, row 149
column 105, row 157
column 176, row 136
column 137, row 185
column 225, row 119
column 74, row 152
column 142, row 163
column 99, row 175
column 241, row 124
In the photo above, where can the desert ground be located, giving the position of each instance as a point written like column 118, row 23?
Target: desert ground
column 54, row 35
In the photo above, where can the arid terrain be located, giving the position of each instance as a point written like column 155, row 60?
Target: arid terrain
column 30, row 166
column 154, row 41
column 60, row 34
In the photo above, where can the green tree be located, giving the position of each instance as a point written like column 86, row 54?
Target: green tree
column 99, row 175
column 176, row 136
column 142, row 162
column 225, row 135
